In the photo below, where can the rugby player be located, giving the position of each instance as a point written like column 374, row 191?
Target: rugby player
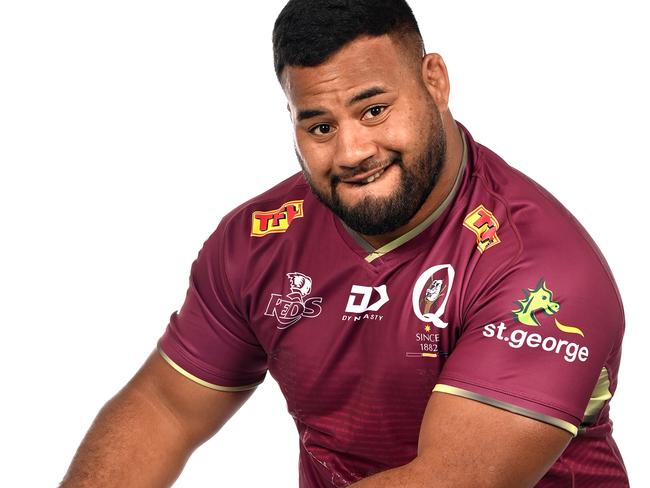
column 421, row 318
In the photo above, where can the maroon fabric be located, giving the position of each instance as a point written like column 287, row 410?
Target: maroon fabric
column 357, row 347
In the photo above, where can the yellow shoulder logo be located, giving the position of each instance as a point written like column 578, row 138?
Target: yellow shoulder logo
column 485, row 225
column 276, row 221
column 540, row 299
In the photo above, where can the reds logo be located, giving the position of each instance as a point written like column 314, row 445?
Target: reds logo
column 291, row 308
column 275, row 221
column 485, row 225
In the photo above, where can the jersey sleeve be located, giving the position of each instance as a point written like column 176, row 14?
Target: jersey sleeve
column 209, row 340
column 537, row 336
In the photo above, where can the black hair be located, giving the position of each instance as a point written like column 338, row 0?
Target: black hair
column 308, row 32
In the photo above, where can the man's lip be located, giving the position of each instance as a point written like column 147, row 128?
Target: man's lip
column 368, row 174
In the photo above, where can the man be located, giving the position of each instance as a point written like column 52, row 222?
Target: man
column 418, row 314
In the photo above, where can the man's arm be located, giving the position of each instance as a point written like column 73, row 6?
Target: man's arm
column 145, row 434
column 465, row 443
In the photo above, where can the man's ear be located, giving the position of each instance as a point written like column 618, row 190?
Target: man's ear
column 290, row 114
column 436, row 80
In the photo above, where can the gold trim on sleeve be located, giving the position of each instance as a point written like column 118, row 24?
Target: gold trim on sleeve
column 598, row 398
column 562, row 424
column 200, row 381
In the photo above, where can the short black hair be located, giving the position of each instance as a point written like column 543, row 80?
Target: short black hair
column 308, row 32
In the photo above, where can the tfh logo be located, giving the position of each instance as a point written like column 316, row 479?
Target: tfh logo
column 485, row 225
column 291, row 308
column 364, row 294
column 275, row 221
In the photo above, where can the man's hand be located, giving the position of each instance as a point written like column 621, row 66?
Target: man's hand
column 465, row 443
column 145, row 434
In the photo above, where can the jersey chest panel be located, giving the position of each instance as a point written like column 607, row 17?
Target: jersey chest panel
column 357, row 348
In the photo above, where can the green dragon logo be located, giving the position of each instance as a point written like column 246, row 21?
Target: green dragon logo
column 536, row 299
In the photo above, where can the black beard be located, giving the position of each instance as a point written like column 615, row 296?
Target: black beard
column 375, row 216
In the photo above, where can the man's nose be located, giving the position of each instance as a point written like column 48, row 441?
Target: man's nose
column 354, row 145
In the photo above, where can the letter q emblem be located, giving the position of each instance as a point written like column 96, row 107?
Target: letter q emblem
column 423, row 284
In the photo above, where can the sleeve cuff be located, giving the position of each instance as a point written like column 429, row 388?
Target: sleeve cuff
column 548, row 419
column 201, row 382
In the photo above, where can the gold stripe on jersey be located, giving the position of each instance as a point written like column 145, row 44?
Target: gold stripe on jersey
column 392, row 245
column 202, row 382
column 547, row 419
column 598, row 398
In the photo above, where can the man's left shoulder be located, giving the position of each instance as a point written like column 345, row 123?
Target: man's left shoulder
column 534, row 230
column 538, row 219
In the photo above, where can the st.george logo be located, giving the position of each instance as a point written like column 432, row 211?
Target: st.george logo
column 290, row 308
column 540, row 299
column 431, row 293
column 275, row 221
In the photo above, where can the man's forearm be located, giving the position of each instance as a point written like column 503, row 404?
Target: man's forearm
column 132, row 442
column 411, row 475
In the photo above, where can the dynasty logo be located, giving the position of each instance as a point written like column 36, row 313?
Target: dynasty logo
column 485, row 225
column 290, row 308
column 365, row 293
column 359, row 303
column 276, row 221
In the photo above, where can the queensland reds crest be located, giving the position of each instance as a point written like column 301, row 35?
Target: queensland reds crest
column 431, row 293
column 295, row 305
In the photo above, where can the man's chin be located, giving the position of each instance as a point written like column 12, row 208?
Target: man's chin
column 362, row 203
column 373, row 216
column 369, row 227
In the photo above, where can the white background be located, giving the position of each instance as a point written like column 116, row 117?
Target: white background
column 128, row 128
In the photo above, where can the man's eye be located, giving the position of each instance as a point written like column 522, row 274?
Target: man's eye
column 373, row 112
column 321, row 129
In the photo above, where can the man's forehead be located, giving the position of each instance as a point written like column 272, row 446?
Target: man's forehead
column 360, row 65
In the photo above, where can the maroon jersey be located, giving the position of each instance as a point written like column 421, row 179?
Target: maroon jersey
column 500, row 296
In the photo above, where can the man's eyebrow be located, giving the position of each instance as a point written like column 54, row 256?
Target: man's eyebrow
column 369, row 93
column 309, row 114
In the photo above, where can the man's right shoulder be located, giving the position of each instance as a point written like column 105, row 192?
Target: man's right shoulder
column 272, row 211
column 274, row 214
column 264, row 224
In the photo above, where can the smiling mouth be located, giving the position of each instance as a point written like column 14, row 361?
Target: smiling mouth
column 368, row 179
